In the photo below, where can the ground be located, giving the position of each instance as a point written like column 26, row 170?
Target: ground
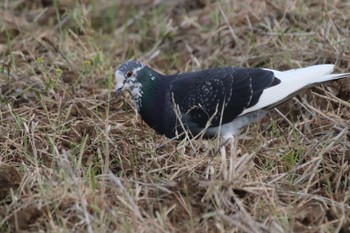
column 76, row 159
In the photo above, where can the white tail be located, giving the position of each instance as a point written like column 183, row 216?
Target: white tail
column 292, row 81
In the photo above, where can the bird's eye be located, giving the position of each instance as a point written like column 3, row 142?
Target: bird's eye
column 129, row 74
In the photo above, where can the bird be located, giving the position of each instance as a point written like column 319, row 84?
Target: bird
column 215, row 101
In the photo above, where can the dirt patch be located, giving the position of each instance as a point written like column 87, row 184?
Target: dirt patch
column 309, row 218
column 24, row 218
column 10, row 179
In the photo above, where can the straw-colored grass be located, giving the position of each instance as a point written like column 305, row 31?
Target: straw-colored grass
column 73, row 158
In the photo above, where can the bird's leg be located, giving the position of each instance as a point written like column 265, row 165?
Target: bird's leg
column 223, row 165
column 224, row 169
column 233, row 158
column 228, row 170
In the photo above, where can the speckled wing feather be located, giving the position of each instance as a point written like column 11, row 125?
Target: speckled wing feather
column 219, row 94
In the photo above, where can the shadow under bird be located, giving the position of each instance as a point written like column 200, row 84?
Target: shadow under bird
column 212, row 102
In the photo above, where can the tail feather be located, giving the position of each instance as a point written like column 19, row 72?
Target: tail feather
column 334, row 77
column 293, row 81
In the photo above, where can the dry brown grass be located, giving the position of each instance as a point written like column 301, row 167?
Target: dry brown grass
column 75, row 159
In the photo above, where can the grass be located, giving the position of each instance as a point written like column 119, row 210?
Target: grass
column 76, row 159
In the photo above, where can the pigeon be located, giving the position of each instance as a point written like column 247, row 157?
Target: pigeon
column 212, row 102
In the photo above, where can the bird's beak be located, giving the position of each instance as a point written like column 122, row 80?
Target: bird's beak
column 118, row 91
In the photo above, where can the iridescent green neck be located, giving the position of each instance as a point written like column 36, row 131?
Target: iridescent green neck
column 144, row 87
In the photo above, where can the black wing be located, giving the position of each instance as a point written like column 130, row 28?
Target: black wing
column 219, row 94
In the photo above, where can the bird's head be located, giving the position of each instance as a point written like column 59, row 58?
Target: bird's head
column 127, row 77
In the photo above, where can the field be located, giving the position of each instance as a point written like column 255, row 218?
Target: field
column 74, row 158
